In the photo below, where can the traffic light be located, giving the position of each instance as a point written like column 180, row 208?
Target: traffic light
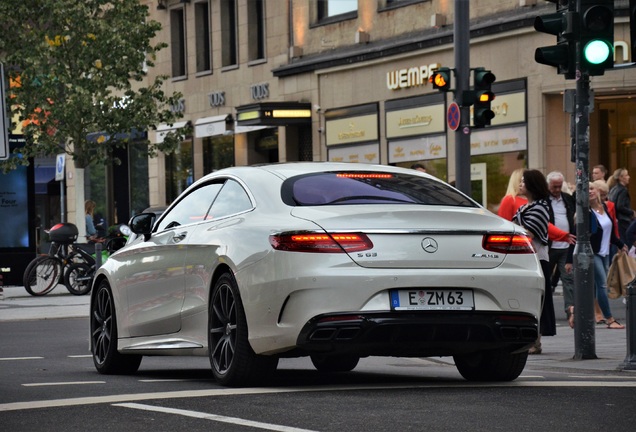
column 597, row 35
column 562, row 25
column 441, row 79
column 483, row 96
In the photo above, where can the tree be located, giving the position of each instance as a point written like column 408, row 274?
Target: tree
column 78, row 68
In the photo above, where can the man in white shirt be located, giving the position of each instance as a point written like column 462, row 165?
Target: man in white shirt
column 563, row 208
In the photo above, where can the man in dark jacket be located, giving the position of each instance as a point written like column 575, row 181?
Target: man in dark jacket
column 563, row 208
column 619, row 195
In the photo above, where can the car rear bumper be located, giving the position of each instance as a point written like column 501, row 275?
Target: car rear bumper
column 408, row 334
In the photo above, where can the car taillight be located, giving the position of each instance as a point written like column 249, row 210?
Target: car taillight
column 320, row 242
column 508, row 243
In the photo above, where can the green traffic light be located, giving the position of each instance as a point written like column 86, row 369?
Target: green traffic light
column 596, row 51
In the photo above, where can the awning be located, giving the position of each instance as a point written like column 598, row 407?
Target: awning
column 213, row 126
column 163, row 129
column 43, row 175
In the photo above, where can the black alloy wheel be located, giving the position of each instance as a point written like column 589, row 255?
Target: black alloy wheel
column 233, row 361
column 103, row 328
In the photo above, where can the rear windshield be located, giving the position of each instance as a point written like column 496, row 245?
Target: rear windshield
column 347, row 188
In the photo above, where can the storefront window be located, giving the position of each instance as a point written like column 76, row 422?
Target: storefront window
column 139, row 193
column 179, row 170
column 490, row 175
column 218, row 153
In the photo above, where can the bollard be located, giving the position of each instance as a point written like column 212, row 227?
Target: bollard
column 98, row 255
column 630, row 359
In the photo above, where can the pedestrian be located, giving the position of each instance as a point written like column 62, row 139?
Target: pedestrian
column 535, row 217
column 599, row 172
column 602, row 234
column 513, row 199
column 419, row 167
column 619, row 195
column 603, row 190
column 89, row 213
column 563, row 208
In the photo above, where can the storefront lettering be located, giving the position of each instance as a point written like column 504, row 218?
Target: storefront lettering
column 179, row 107
column 399, row 152
column 510, row 141
column 491, row 143
column 260, row 91
column 216, row 98
column 351, row 133
column 435, row 149
column 370, row 156
column 412, row 77
column 415, row 121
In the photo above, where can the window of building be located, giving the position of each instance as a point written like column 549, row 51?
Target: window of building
column 229, row 27
column 179, row 170
column 256, row 29
column 202, row 34
column 178, row 42
column 218, row 153
column 330, row 8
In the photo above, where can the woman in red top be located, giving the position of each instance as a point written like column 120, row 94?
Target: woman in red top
column 511, row 202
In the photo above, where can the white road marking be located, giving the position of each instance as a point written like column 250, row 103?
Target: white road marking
column 621, row 377
column 213, row 417
column 62, row 383
column 20, row 358
column 15, row 406
column 81, row 356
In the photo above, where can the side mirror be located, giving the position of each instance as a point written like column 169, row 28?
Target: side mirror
column 142, row 223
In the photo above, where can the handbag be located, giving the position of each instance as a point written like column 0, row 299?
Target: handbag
column 621, row 272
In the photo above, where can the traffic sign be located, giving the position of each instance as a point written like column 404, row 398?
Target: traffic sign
column 453, row 116
column 59, row 167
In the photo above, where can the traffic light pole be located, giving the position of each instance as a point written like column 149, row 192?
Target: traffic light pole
column 462, row 70
column 584, row 338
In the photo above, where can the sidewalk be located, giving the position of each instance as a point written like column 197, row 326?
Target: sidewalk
column 17, row 304
column 558, row 351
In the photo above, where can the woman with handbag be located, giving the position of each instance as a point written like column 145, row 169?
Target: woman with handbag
column 535, row 217
column 600, row 240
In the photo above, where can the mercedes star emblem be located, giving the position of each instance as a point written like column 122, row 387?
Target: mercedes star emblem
column 429, row 245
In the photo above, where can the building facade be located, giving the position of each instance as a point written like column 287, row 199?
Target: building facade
column 347, row 80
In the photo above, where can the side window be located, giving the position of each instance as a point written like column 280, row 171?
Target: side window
column 231, row 200
column 192, row 208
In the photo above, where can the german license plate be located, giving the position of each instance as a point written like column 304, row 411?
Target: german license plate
column 421, row 299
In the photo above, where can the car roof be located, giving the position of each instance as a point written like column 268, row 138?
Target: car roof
column 291, row 169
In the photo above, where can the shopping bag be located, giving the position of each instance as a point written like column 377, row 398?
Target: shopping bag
column 621, row 272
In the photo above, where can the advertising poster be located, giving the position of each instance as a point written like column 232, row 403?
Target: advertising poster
column 13, row 208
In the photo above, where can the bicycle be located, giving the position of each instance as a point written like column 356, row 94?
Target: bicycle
column 45, row 272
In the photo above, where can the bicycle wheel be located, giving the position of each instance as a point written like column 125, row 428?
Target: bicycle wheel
column 78, row 278
column 42, row 275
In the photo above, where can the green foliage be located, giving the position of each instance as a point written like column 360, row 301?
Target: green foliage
column 81, row 68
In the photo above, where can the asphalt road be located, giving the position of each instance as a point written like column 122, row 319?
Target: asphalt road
column 48, row 383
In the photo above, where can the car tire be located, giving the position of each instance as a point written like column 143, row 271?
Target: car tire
column 233, row 360
column 78, row 271
column 103, row 328
column 336, row 363
column 492, row 365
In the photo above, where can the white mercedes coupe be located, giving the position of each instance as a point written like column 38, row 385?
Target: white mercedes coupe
column 335, row 261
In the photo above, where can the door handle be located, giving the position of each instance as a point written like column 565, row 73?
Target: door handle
column 178, row 237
